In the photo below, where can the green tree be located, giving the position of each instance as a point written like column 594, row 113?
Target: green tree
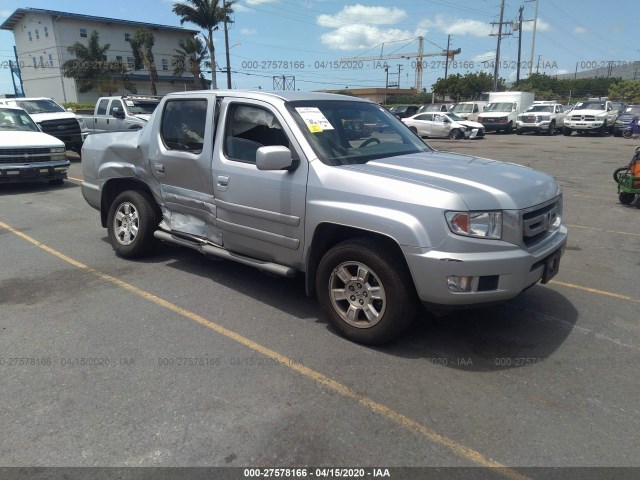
column 190, row 55
column 469, row 86
column 206, row 14
column 142, row 42
column 90, row 69
column 628, row 90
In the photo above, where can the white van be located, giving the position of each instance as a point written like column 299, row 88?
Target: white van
column 469, row 110
column 501, row 113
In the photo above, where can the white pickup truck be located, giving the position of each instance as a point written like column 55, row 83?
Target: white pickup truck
column 128, row 112
column 278, row 181
column 590, row 116
column 541, row 117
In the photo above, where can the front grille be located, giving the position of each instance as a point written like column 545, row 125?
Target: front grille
column 583, row 118
column 25, row 155
column 530, row 119
column 67, row 130
column 537, row 223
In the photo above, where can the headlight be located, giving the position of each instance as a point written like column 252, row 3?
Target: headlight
column 57, row 149
column 476, row 224
column 83, row 126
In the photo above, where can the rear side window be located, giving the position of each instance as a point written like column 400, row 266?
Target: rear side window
column 102, row 107
column 183, row 124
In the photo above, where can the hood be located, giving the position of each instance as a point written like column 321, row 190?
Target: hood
column 494, row 114
column 16, row 139
column 43, row 117
column 470, row 124
column 483, row 184
column 602, row 113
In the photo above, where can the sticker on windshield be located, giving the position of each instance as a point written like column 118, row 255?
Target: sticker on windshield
column 315, row 119
column 129, row 103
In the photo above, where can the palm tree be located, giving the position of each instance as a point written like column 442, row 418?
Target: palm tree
column 207, row 14
column 142, row 42
column 189, row 56
column 90, row 69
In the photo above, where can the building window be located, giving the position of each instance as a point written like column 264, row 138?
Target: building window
column 29, row 34
column 83, row 32
column 46, row 32
column 35, row 63
column 130, row 62
column 165, row 64
column 118, row 58
column 127, row 37
column 50, row 60
column 37, row 34
column 41, row 61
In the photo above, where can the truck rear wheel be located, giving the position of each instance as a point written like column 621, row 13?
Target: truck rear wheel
column 133, row 217
column 366, row 291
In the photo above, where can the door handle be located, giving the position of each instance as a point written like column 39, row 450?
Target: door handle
column 223, row 180
column 159, row 168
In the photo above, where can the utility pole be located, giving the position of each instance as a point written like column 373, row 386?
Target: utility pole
column 386, row 84
column 399, row 70
column 226, row 42
column 533, row 41
column 519, row 44
column 496, row 70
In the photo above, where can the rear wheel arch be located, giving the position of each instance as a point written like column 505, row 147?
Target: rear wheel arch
column 114, row 187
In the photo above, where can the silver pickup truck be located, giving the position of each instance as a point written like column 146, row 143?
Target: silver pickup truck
column 279, row 181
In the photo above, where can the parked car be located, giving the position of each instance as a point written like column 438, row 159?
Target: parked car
column 27, row 154
column 443, row 125
column 53, row 119
column 403, row 111
column 541, row 117
column 121, row 112
column 623, row 120
column 436, row 107
column 271, row 180
column 469, row 110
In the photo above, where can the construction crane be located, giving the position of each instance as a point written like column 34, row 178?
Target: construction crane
column 450, row 54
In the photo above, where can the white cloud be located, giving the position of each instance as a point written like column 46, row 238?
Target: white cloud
column 357, row 37
column 457, row 26
column 541, row 26
column 260, row 2
column 580, row 30
column 361, row 14
column 5, row 13
column 484, row 57
column 248, row 31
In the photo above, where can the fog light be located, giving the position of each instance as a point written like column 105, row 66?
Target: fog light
column 44, row 170
column 459, row 284
column 60, row 169
column 13, row 172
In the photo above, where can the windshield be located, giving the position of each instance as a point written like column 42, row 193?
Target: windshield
column 141, row 107
column 634, row 110
column 463, row 108
column 40, row 106
column 343, row 132
column 590, row 106
column 455, row 118
column 541, row 108
column 499, row 107
column 16, row 120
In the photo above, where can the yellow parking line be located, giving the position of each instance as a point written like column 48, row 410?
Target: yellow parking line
column 603, row 230
column 75, row 179
column 386, row 412
column 595, row 290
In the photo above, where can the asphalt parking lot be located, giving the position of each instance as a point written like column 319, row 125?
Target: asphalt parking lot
column 179, row 360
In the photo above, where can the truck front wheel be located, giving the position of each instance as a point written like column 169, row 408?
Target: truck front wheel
column 133, row 217
column 366, row 291
column 566, row 132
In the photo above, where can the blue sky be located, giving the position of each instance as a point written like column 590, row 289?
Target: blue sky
column 306, row 38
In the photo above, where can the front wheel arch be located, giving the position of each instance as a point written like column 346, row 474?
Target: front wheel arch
column 114, row 187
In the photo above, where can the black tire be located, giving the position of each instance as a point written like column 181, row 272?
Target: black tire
column 619, row 172
column 509, row 128
column 626, row 198
column 131, row 233
column 386, row 274
column 603, row 130
column 518, row 131
column 566, row 132
column 57, row 181
column 455, row 134
column 627, row 133
column 552, row 129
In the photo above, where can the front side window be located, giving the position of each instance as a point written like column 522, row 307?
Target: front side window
column 345, row 132
column 183, row 124
column 248, row 128
column 115, row 104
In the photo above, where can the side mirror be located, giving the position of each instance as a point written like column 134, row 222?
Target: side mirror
column 274, row 157
column 446, row 120
column 116, row 113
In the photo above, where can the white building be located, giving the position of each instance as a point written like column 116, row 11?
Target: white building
column 43, row 36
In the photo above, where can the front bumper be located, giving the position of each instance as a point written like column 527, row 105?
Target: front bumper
column 533, row 127
column 33, row 172
column 497, row 275
column 490, row 127
column 584, row 126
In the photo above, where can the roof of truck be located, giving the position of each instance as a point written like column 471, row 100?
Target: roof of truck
column 287, row 96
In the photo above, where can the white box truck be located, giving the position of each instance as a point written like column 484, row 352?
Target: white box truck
column 502, row 110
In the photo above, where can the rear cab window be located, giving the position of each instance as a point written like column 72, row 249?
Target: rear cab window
column 183, row 124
